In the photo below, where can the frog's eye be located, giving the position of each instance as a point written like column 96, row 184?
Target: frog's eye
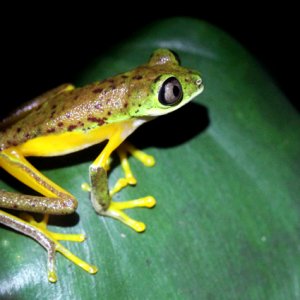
column 170, row 92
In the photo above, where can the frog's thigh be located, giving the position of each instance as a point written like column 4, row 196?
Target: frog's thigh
column 15, row 163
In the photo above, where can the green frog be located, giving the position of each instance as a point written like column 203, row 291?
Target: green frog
column 68, row 119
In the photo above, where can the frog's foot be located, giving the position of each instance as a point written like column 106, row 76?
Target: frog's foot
column 115, row 210
column 129, row 179
column 49, row 240
column 102, row 200
column 42, row 225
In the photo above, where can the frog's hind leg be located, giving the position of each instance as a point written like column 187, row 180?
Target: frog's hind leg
column 47, row 240
column 14, row 163
column 57, row 201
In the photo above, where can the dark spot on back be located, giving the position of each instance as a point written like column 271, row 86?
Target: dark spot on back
column 96, row 120
column 124, row 76
column 137, row 77
column 18, row 129
column 60, row 124
column 71, row 127
column 97, row 90
column 50, row 130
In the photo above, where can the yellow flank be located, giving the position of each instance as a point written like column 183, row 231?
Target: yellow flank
column 68, row 142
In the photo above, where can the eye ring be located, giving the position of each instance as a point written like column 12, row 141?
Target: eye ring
column 170, row 92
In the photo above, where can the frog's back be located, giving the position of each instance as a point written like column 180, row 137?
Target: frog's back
column 76, row 109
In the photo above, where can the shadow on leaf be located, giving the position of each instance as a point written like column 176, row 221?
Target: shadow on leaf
column 173, row 129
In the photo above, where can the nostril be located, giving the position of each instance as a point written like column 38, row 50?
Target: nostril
column 199, row 81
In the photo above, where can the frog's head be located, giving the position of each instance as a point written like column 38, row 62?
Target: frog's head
column 162, row 85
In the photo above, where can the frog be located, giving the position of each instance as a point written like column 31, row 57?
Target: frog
column 68, row 119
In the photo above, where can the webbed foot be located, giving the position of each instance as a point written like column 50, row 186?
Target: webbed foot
column 115, row 210
column 129, row 179
column 48, row 239
column 103, row 204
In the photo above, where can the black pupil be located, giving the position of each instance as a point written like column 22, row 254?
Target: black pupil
column 176, row 90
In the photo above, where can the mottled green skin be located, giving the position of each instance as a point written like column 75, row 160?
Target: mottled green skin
column 133, row 94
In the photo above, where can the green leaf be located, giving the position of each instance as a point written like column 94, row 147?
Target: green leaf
column 226, row 225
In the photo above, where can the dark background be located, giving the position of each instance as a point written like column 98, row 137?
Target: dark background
column 42, row 49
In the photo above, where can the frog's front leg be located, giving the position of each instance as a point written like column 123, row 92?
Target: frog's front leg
column 57, row 201
column 100, row 195
column 103, row 204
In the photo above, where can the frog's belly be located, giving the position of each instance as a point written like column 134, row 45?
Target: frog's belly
column 67, row 142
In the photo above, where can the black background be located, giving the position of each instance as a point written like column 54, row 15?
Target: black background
column 46, row 46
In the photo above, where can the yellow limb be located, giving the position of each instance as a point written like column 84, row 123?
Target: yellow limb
column 129, row 179
column 57, row 201
column 100, row 195
column 101, row 200
column 47, row 240
column 115, row 211
column 102, row 161
column 55, row 235
column 146, row 159
column 14, row 162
